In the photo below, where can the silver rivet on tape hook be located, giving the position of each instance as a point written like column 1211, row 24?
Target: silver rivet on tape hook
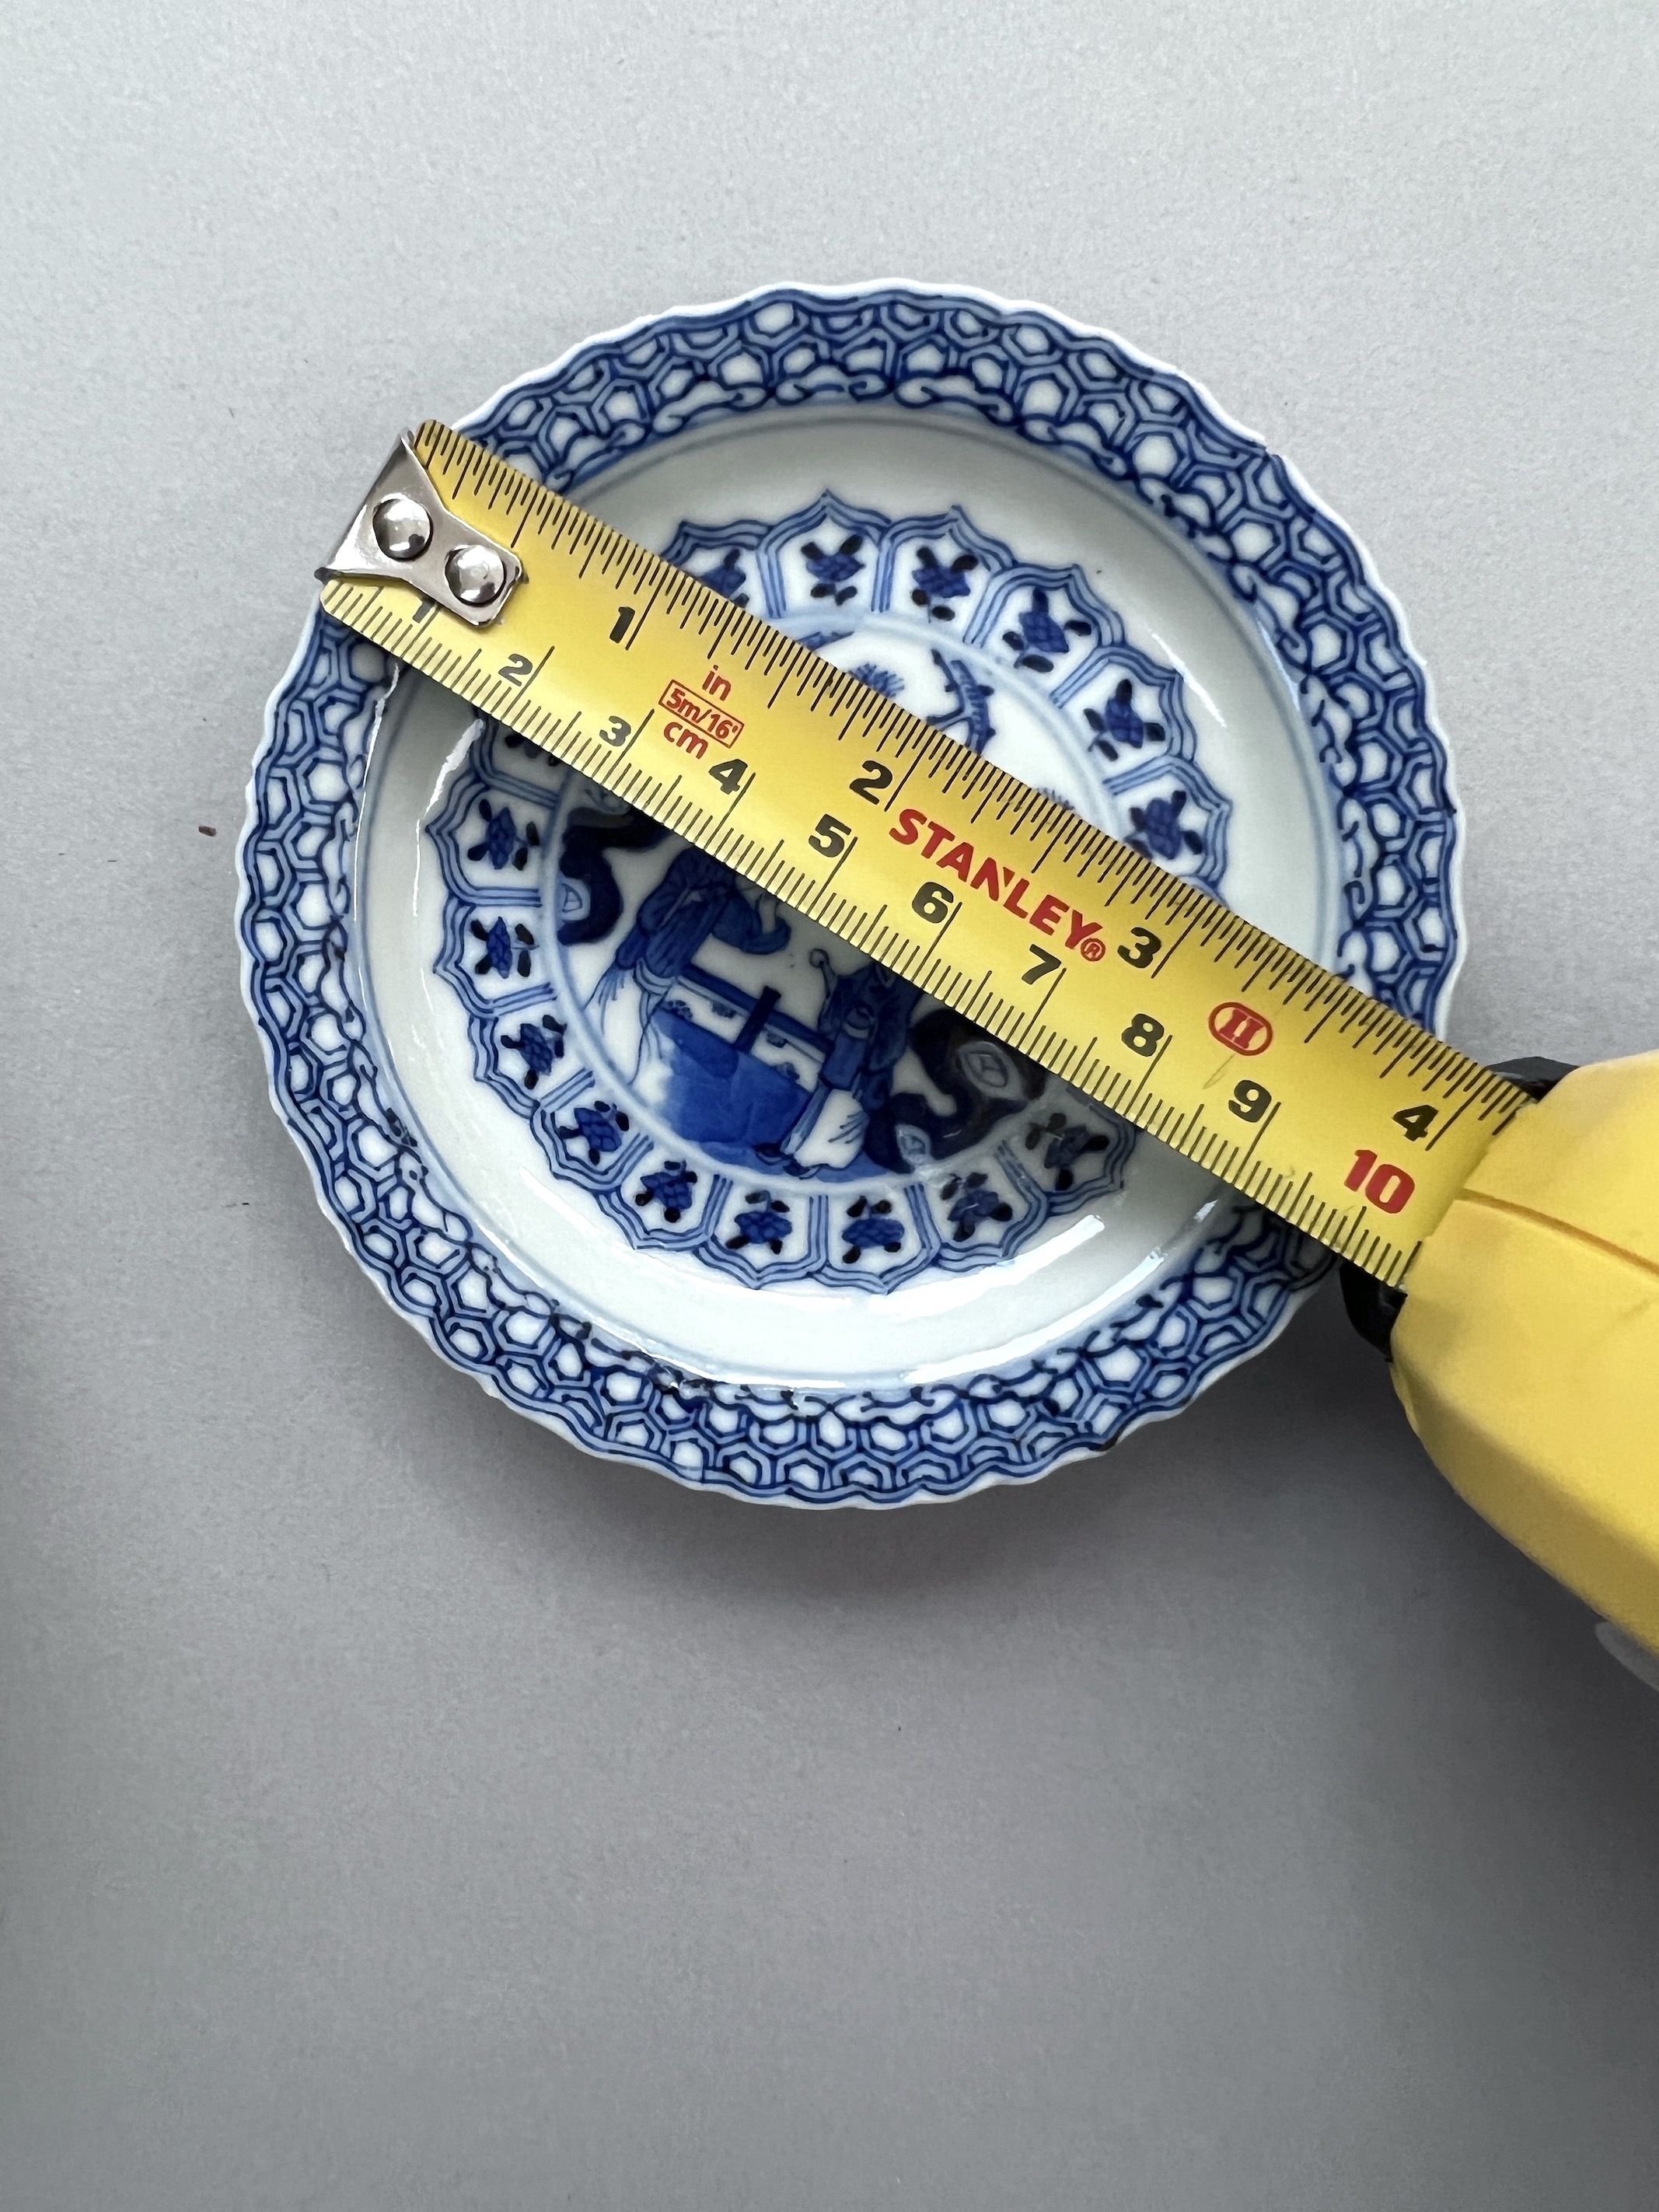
column 402, row 527
column 475, row 574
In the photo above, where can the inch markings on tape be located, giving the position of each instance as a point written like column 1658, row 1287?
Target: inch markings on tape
column 1143, row 991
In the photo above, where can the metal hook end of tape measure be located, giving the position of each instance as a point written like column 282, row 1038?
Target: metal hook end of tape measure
column 403, row 533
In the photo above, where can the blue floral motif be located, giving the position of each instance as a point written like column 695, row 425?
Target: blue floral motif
column 538, row 1047
column 669, row 1187
column 765, row 1221
column 726, row 578
column 1067, row 1143
column 503, row 949
column 1120, row 725
column 1333, row 628
column 979, row 1200
column 870, row 1227
column 1040, row 640
column 600, row 1127
column 834, row 571
column 1161, row 834
column 934, row 586
column 502, row 841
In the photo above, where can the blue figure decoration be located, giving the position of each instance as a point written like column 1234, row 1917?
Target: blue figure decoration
column 985, row 1082
column 867, row 1020
column 698, row 897
column 879, row 679
column 969, row 708
column 587, row 873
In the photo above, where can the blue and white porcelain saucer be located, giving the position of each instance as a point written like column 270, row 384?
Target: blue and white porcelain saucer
column 666, row 1167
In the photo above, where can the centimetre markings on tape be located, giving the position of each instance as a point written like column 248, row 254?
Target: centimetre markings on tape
column 1142, row 991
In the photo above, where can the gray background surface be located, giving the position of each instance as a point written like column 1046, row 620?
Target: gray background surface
column 397, row 1809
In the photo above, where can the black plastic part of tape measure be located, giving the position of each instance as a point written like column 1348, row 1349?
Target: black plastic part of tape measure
column 1374, row 1307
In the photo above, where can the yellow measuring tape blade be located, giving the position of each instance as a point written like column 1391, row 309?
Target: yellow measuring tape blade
column 1142, row 991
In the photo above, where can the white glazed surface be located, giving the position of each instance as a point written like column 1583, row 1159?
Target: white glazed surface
column 1099, row 1306
column 1281, row 874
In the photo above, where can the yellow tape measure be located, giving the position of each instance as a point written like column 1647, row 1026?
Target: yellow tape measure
column 1140, row 990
